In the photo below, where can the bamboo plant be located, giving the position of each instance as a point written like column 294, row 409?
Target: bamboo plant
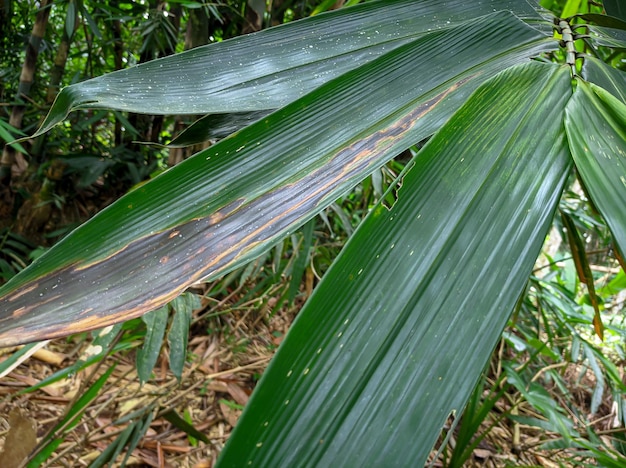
column 511, row 101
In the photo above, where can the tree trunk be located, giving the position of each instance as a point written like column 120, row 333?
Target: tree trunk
column 11, row 160
column 36, row 211
column 277, row 12
column 56, row 76
column 6, row 7
column 60, row 61
column 197, row 31
column 255, row 9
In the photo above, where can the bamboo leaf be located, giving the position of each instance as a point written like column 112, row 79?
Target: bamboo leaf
column 173, row 417
column 178, row 335
column 596, row 129
column 69, row 420
column 604, row 20
column 396, row 334
column 598, row 391
column 571, row 8
column 583, row 269
column 138, row 434
column 233, row 201
column 216, row 126
column 301, row 262
column 601, row 36
column 615, row 8
column 606, row 77
column 156, row 322
column 273, row 67
column 18, row 357
column 114, row 448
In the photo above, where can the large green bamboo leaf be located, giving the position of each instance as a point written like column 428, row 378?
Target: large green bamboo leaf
column 216, row 126
column 271, row 68
column 609, row 37
column 232, row 201
column 615, row 8
column 606, row 21
column 394, row 337
column 607, row 77
column 596, row 130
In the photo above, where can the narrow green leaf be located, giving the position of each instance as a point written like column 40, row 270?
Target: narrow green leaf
column 596, row 129
column 93, row 26
column 156, row 322
column 6, row 133
column 7, row 365
column 70, row 19
column 542, row 401
column 471, row 431
column 216, row 126
column 44, row 453
column 601, row 36
column 234, row 200
column 184, row 426
column 604, row 20
column 113, row 450
column 62, row 374
column 583, row 269
column 273, row 67
column 178, row 335
column 615, row 8
column 301, row 261
column 187, row 416
column 71, row 419
column 571, row 8
column 598, row 389
column 324, row 5
column 76, row 367
column 138, row 434
column 394, row 337
column 609, row 78
column 615, row 286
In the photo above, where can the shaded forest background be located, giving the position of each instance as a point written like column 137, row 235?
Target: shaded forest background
column 52, row 183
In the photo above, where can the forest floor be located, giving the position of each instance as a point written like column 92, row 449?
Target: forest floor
column 227, row 354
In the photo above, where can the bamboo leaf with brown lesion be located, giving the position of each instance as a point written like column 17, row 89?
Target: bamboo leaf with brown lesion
column 231, row 202
column 200, row 248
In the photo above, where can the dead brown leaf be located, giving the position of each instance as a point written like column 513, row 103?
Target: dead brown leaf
column 20, row 440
